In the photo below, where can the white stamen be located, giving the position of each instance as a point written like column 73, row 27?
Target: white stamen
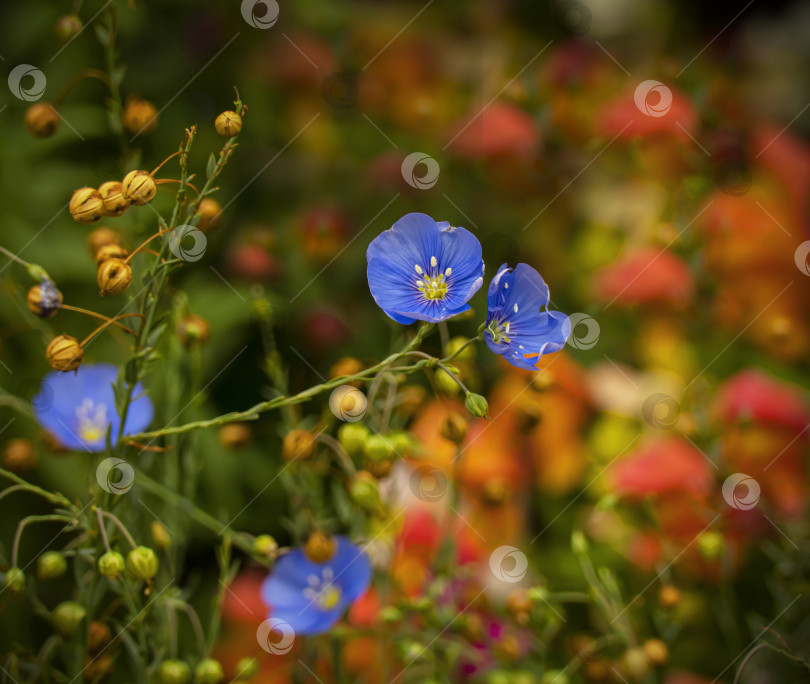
column 448, row 271
column 433, row 261
column 418, row 269
column 516, row 308
column 313, row 580
column 506, row 286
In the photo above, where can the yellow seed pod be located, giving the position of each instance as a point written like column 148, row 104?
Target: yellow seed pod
column 138, row 187
column 210, row 215
column 41, row 120
column 64, row 353
column 101, row 237
column 298, row 444
column 112, row 195
column 111, row 251
column 319, row 547
column 44, row 300
column 86, row 205
column 140, row 116
column 19, row 455
column 228, row 124
column 114, row 276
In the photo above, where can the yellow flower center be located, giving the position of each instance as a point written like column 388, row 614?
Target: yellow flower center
column 322, row 590
column 92, row 421
column 432, row 286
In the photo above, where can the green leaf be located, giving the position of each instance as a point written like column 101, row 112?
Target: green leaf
column 211, row 168
column 102, row 33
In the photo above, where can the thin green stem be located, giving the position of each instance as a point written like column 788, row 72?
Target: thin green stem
column 15, row 547
column 121, row 527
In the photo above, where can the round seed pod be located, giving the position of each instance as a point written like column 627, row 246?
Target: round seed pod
column 64, row 353
column 114, row 276
column 138, row 187
column 86, row 205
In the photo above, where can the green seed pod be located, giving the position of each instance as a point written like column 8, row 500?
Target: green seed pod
column 208, row 671
column 174, row 672
column 111, row 564
column 15, row 580
column 353, row 437
column 476, row 405
column 142, row 563
column 379, row 448
column 50, row 565
column 265, row 545
column 66, row 618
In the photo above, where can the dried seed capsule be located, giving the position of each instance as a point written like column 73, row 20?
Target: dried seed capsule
column 234, row 435
column 101, row 237
column 110, row 251
column 138, row 187
column 140, row 116
column 114, row 276
column 298, row 444
column 319, row 547
column 41, row 120
column 228, row 124
column 19, row 455
column 86, row 205
column 64, row 353
column 44, row 300
column 112, row 195
column 210, row 212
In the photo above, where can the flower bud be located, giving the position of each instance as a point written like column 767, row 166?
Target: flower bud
column 160, row 535
column 67, row 27
column 228, row 124
column 19, row 455
column 140, row 116
column 44, row 300
column 454, row 427
column 192, row 331
column 15, row 580
column 86, row 205
column 208, row 671
column 111, row 251
column 50, row 565
column 64, row 353
column 174, row 672
column 114, row 276
column 142, row 563
column 657, row 651
column 111, row 564
column 98, row 636
column 319, row 547
column 41, row 120
column 112, row 196
column 210, row 212
column 67, row 617
column 366, row 492
column 476, row 405
column 234, row 435
column 298, row 444
column 138, row 187
column 669, row 595
column 101, row 237
column 246, row 668
column 378, row 448
column 353, row 437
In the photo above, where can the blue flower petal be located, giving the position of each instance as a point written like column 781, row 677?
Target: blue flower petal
column 309, row 622
column 61, row 394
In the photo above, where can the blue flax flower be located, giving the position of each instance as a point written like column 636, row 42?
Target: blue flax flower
column 311, row 597
column 421, row 269
column 517, row 327
column 78, row 408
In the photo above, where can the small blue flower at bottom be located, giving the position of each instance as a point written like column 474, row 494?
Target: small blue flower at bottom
column 421, row 269
column 78, row 408
column 311, row 597
column 517, row 328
